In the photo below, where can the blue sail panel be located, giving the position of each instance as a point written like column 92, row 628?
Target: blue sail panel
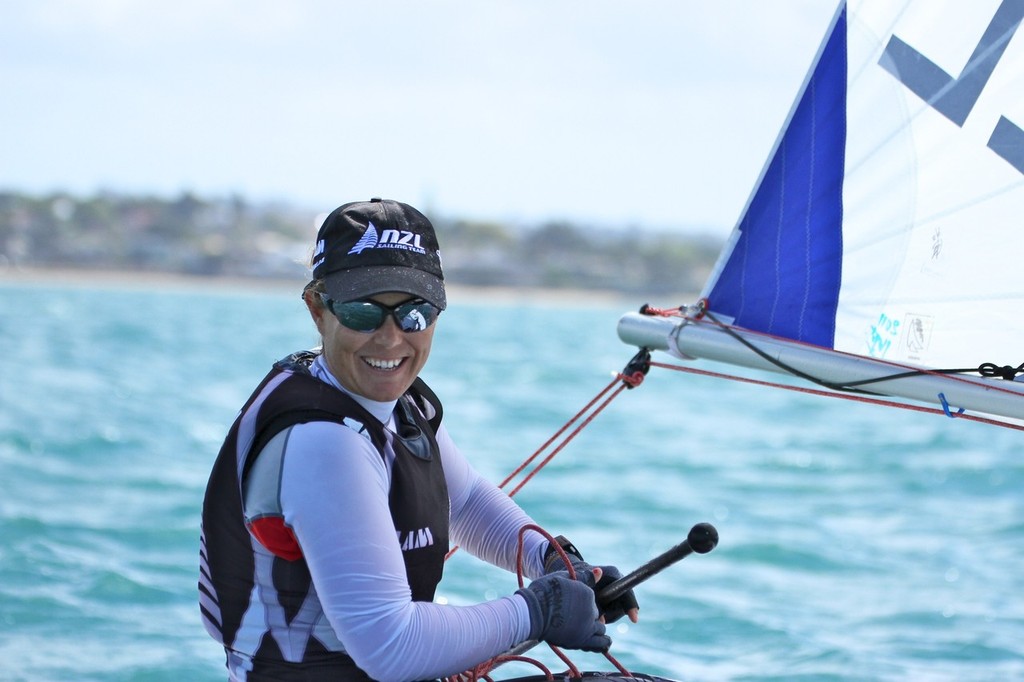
column 783, row 274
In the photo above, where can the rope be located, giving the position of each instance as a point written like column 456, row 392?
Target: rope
column 575, row 432
column 484, row 670
column 558, row 433
column 988, row 369
column 630, row 377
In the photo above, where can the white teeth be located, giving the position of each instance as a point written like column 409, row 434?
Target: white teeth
column 382, row 364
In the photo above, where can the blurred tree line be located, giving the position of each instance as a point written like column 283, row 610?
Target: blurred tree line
column 233, row 237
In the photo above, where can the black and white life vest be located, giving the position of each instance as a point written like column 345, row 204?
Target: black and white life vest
column 418, row 500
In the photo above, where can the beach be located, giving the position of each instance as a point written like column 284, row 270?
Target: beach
column 457, row 293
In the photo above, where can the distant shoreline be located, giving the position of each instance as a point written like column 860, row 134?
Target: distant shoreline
column 124, row 279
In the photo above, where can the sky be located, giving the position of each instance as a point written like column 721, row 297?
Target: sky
column 649, row 114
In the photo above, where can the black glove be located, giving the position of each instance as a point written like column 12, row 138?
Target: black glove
column 563, row 612
column 611, row 611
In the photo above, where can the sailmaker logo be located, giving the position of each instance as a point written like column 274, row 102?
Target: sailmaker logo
column 388, row 239
column 415, row 539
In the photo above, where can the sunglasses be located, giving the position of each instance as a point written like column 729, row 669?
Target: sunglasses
column 368, row 316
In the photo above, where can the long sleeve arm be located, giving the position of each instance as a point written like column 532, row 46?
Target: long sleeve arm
column 334, row 496
column 484, row 519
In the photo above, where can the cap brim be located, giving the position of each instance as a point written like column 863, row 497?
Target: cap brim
column 359, row 283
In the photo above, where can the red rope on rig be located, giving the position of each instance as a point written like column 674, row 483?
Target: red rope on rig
column 575, row 432
column 558, row 433
column 693, row 312
column 630, row 380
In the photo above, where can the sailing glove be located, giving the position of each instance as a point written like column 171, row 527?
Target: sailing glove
column 612, row 610
column 563, row 611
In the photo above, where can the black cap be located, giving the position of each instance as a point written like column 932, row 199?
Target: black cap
column 371, row 247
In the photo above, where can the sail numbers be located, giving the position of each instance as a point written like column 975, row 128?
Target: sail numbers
column 954, row 98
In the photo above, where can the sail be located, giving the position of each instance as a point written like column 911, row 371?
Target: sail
column 883, row 231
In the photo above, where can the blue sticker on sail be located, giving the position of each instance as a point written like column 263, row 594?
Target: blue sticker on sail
column 783, row 275
column 882, row 336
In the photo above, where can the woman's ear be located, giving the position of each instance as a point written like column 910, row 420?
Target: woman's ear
column 315, row 306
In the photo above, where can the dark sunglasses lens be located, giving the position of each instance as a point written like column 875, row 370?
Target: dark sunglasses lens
column 415, row 316
column 361, row 316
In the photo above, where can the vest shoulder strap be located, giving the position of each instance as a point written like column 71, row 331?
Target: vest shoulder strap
column 428, row 402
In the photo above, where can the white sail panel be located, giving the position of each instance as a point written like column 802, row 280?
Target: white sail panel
column 930, row 273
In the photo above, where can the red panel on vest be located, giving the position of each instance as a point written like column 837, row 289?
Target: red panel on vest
column 276, row 537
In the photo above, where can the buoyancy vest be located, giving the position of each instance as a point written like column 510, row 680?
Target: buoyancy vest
column 418, row 500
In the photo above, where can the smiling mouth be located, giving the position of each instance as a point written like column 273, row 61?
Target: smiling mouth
column 386, row 365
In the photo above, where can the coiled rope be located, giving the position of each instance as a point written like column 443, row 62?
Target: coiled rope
column 482, row 671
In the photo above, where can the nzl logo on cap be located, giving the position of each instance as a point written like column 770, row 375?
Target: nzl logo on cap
column 388, row 239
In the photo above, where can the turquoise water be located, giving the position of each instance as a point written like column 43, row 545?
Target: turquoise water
column 857, row 542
